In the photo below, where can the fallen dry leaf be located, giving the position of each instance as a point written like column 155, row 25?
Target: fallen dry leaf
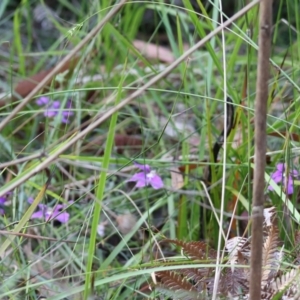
column 122, row 142
column 24, row 87
column 125, row 222
column 177, row 181
column 154, row 51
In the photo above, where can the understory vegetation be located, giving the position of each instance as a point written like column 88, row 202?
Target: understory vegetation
column 127, row 149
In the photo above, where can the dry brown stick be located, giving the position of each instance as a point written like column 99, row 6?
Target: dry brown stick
column 63, row 62
column 37, row 237
column 21, row 160
column 264, row 42
column 100, row 119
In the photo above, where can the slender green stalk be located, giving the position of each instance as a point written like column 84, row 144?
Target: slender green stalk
column 100, row 191
column 18, row 43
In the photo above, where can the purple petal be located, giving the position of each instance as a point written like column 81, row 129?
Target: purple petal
column 55, row 105
column 65, row 120
column 139, row 177
column 1, row 211
column 69, row 104
column 3, row 199
column 43, row 207
column 42, row 101
column 56, row 214
column 290, row 187
column 277, row 176
column 156, row 182
column 141, row 184
column 50, row 113
column 145, row 168
column 62, row 217
column 38, row 215
column 59, row 207
column 280, row 167
column 67, row 113
column 30, row 200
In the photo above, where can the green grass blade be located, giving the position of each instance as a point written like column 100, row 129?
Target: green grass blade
column 100, row 191
column 23, row 221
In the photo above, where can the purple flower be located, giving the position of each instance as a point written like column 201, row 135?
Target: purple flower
column 279, row 176
column 2, row 202
column 42, row 101
column 66, row 114
column 50, row 214
column 53, row 109
column 147, row 177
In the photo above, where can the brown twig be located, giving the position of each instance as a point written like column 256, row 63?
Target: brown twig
column 37, row 237
column 21, row 160
column 265, row 23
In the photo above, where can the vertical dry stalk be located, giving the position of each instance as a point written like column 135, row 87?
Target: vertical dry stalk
column 265, row 23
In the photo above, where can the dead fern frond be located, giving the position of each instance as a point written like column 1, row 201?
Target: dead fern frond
column 271, row 255
column 197, row 275
column 288, row 284
column 198, row 283
column 179, row 295
column 175, row 282
column 269, row 216
column 239, row 251
column 195, row 250
column 236, row 244
column 234, row 283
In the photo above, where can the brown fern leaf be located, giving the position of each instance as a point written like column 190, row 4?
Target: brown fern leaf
column 231, row 283
column 175, row 282
column 270, row 219
column 269, row 216
column 272, row 257
column 239, row 251
column 179, row 295
column 196, row 274
column 238, row 244
column 289, row 283
column 199, row 277
column 195, row 250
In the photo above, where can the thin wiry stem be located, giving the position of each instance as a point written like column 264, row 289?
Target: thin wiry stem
column 219, row 255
